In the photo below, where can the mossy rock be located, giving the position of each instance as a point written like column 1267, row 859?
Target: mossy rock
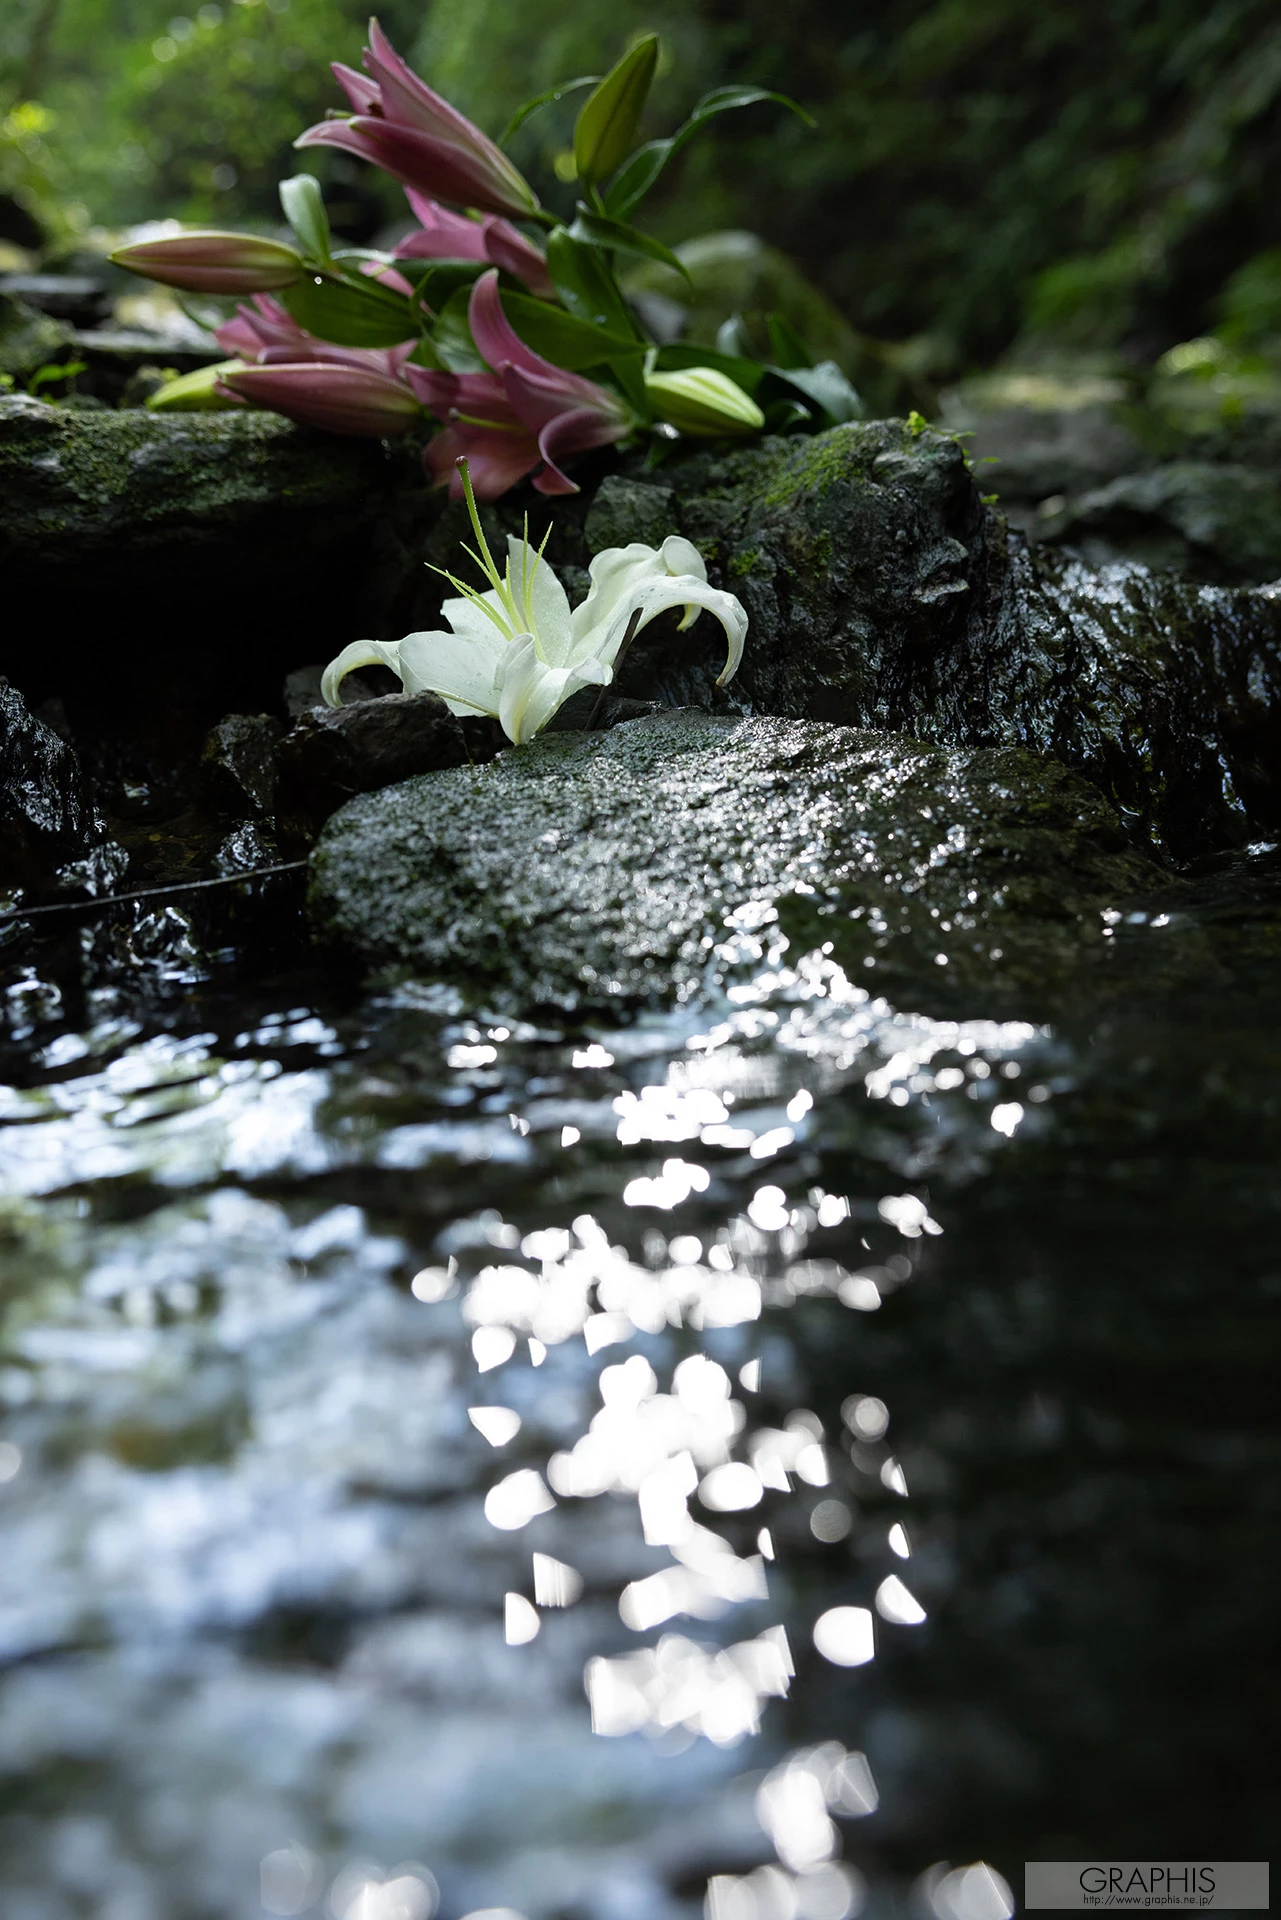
column 186, row 563
column 30, row 339
column 71, row 482
column 638, row 865
column 882, row 592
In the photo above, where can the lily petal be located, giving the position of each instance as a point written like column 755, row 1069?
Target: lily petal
column 569, row 434
column 464, row 669
column 532, row 692
column 360, row 653
column 618, row 572
column 652, row 597
column 362, row 93
column 541, row 599
column 499, row 456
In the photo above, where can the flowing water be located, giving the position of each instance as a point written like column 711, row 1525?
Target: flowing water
column 788, row 1457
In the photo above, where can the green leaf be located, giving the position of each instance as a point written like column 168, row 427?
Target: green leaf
column 786, row 345
column 348, row 314
column 585, row 282
column 782, row 415
column 552, row 94
column 732, row 337
column 437, row 281
column 563, row 338
column 745, row 373
column 607, row 125
column 596, row 230
column 305, row 211
column 824, row 387
column 425, row 355
column 450, row 336
column 627, row 371
column 54, row 371
column 631, row 185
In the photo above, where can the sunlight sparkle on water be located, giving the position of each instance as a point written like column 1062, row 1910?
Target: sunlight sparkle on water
column 845, row 1636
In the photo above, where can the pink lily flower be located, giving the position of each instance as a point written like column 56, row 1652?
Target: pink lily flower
column 267, row 335
column 411, row 133
column 203, row 260
column 353, row 390
column 359, row 401
column 443, row 235
column 524, row 412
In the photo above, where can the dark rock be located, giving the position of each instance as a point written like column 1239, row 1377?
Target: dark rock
column 1207, row 520
column 83, row 300
column 47, row 816
column 181, row 565
column 883, row 593
column 1034, row 433
column 125, row 366
column 302, row 690
column 28, row 339
column 238, row 764
column 245, row 848
column 333, row 753
column 631, row 865
column 625, row 510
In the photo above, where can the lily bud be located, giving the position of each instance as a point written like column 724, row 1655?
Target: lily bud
column 197, row 392
column 341, row 399
column 702, row 401
column 205, row 261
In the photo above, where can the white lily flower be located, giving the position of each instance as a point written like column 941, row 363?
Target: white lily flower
column 517, row 652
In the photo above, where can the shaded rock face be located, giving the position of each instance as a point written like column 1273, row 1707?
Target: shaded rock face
column 193, row 559
column 1213, row 521
column 47, row 816
column 29, row 338
column 595, row 868
column 882, row 593
column 333, row 753
column 1182, row 477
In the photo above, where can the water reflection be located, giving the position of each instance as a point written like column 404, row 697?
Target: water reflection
column 488, row 1448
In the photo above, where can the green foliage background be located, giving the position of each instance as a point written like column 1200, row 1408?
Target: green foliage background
column 1095, row 174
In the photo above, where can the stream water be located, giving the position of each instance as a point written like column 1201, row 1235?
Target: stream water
column 788, row 1457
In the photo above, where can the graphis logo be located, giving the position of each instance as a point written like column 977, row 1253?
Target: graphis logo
column 1147, row 1886
column 1178, row 1886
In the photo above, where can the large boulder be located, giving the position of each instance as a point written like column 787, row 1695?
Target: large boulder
column 633, row 865
column 883, row 592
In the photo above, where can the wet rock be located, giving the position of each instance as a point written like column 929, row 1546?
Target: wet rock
column 238, row 764
column 631, row 865
column 625, row 510
column 333, row 753
column 204, row 555
column 47, row 816
column 72, row 484
column 28, row 338
column 1208, row 520
column 883, row 593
